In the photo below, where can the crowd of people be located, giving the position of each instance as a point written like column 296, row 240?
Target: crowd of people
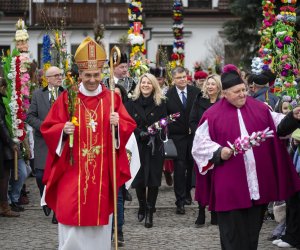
column 214, row 109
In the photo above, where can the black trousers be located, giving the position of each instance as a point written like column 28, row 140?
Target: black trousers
column 239, row 229
column 292, row 233
column 182, row 179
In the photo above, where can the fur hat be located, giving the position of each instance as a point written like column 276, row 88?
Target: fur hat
column 158, row 72
column 230, row 79
column 200, row 75
column 260, row 79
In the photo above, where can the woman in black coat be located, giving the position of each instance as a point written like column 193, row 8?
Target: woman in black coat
column 147, row 107
column 210, row 94
column 7, row 147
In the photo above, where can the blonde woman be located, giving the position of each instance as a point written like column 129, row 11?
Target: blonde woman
column 211, row 92
column 147, row 107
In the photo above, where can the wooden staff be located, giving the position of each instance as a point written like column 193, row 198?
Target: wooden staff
column 114, row 60
column 16, row 164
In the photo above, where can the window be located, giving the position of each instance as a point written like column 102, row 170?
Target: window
column 115, row 1
column 202, row 4
column 4, row 50
column 54, row 1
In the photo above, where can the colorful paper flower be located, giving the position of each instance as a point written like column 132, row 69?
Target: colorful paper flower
column 285, row 61
column 138, row 62
column 241, row 145
column 162, row 123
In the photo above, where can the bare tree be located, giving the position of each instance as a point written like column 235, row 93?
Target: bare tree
column 215, row 53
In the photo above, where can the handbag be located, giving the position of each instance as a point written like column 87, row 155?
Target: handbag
column 169, row 149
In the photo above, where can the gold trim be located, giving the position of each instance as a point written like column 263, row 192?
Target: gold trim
column 79, row 163
column 101, row 164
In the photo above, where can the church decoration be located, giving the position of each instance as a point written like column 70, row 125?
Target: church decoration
column 14, row 117
column 177, row 56
column 72, row 89
column 241, row 145
column 21, row 41
column 46, row 57
column 138, row 62
column 266, row 33
column 285, row 61
column 162, row 123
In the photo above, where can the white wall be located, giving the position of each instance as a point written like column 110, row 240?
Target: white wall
column 198, row 31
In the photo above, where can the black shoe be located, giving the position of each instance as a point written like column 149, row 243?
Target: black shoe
column 54, row 220
column 188, row 201
column 168, row 177
column 200, row 221
column 149, row 218
column 141, row 214
column 180, row 210
column 128, row 196
column 214, row 218
column 47, row 210
column 16, row 208
column 121, row 241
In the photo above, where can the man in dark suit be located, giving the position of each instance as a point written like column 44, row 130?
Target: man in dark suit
column 41, row 102
column 180, row 99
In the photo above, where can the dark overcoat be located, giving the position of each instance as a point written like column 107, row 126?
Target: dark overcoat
column 150, row 172
column 37, row 112
column 6, row 142
column 180, row 130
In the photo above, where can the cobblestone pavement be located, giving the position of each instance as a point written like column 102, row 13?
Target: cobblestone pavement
column 33, row 230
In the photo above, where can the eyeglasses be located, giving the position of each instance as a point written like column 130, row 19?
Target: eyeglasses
column 56, row 75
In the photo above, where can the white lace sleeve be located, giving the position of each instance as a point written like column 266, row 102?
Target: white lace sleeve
column 277, row 117
column 60, row 145
column 203, row 147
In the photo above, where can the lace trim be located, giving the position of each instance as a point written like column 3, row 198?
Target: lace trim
column 250, row 164
column 277, row 118
column 203, row 148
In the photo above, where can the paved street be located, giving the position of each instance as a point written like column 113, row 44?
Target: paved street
column 33, row 230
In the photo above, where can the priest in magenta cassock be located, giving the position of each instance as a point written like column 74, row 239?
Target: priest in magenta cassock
column 239, row 187
column 81, row 194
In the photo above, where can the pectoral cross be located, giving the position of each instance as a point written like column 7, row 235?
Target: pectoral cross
column 93, row 124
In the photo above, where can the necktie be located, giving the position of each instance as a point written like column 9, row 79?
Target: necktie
column 183, row 99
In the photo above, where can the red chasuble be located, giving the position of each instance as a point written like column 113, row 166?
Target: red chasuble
column 82, row 194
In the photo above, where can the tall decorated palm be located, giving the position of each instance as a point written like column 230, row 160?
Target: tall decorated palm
column 138, row 63
column 178, row 45
column 266, row 33
column 286, row 62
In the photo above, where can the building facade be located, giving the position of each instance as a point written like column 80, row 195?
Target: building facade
column 203, row 23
